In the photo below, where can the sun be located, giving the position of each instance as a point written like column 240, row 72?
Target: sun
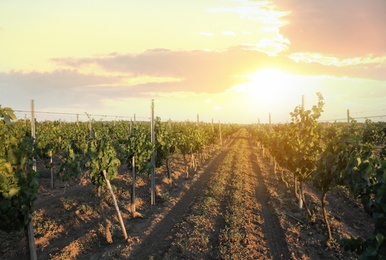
column 270, row 88
column 270, row 81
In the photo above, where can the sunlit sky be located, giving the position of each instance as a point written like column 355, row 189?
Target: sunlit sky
column 235, row 61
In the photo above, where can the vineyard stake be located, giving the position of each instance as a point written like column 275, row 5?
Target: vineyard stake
column 153, row 156
column 52, row 171
column 348, row 115
column 270, row 121
column 300, row 184
column 115, row 204
column 133, row 209
column 30, row 228
column 219, row 126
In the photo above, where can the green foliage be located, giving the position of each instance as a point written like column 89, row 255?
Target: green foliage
column 101, row 156
column 334, row 158
column 16, row 204
column 366, row 175
column 295, row 145
column 305, row 146
column 8, row 182
column 71, row 162
column 18, row 182
column 185, row 138
column 6, row 114
column 349, row 154
column 139, row 145
column 166, row 142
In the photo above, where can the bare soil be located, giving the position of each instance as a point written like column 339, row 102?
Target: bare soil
column 68, row 223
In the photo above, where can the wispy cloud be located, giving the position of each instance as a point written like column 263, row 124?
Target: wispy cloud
column 263, row 11
column 270, row 46
column 229, row 33
column 334, row 61
column 193, row 69
column 265, row 17
column 163, row 70
column 209, row 34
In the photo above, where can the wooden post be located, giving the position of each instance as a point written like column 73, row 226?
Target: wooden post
column 270, row 119
column 348, row 115
column 135, row 119
column 133, row 209
column 300, row 184
column 33, row 130
column 198, row 120
column 300, row 197
column 152, row 202
column 30, row 228
column 212, row 126
column 52, row 171
column 116, row 205
column 219, row 126
column 89, row 128
column 77, row 119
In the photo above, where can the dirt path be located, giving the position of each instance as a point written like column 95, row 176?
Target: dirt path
column 159, row 239
column 274, row 234
column 157, row 242
column 262, row 236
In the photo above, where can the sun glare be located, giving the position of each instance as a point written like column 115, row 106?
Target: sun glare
column 273, row 87
column 270, row 88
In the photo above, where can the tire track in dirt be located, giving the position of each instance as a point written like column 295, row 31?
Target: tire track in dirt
column 158, row 241
column 274, row 234
column 186, row 230
column 220, row 221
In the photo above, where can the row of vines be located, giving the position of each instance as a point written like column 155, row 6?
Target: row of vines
column 91, row 150
column 327, row 155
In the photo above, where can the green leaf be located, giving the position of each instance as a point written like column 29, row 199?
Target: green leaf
column 12, row 192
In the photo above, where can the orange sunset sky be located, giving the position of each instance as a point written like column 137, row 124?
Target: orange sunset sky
column 234, row 61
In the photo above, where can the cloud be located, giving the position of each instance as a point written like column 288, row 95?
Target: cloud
column 208, row 34
column 266, row 20
column 198, row 70
column 333, row 61
column 270, row 46
column 343, row 28
column 229, row 33
column 262, row 11
column 165, row 73
column 213, row 71
column 55, row 88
